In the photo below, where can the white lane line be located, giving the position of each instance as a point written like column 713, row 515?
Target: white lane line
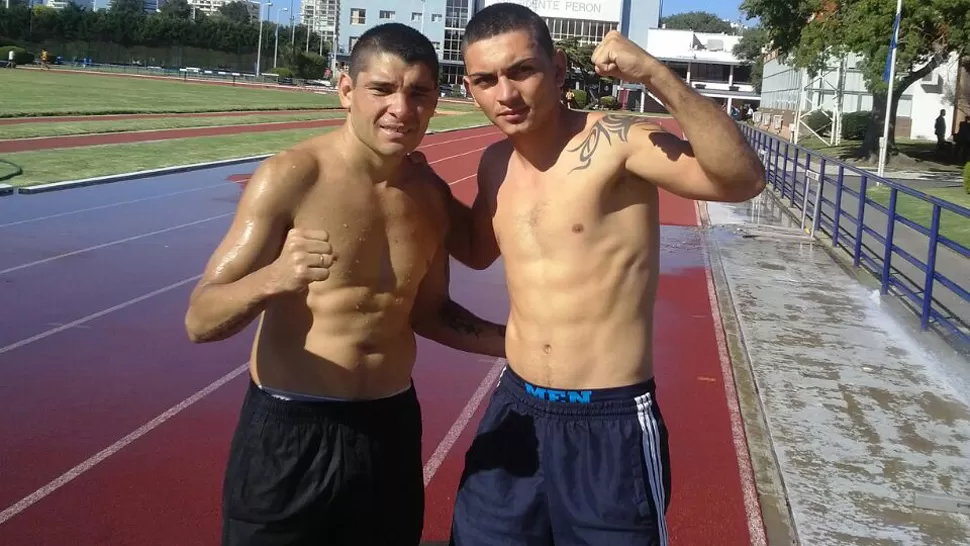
column 749, row 490
column 430, row 468
column 111, row 243
column 109, row 205
column 98, row 314
column 462, row 179
column 443, row 142
column 441, row 452
column 94, row 460
column 463, row 154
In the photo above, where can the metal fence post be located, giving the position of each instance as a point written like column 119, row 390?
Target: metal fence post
column 887, row 256
column 857, row 252
column 838, row 206
column 818, row 197
column 930, row 268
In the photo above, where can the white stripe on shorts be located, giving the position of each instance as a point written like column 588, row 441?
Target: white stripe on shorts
column 651, row 453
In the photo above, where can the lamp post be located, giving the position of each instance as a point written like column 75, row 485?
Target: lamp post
column 259, row 46
column 276, row 51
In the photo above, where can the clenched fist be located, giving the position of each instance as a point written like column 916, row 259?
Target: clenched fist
column 618, row 57
column 306, row 257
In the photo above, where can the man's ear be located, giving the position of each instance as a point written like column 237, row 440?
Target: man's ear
column 345, row 89
column 560, row 64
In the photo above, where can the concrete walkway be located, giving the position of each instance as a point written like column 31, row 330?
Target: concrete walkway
column 858, row 423
column 949, row 263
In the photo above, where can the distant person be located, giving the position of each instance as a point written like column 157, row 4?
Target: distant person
column 44, row 59
column 941, row 131
column 338, row 247
column 572, row 448
column 961, row 140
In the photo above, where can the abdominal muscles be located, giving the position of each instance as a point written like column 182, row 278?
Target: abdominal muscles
column 582, row 316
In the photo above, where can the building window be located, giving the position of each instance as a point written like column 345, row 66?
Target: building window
column 416, row 16
column 352, row 42
column 385, row 14
column 435, row 17
column 358, row 16
column 585, row 32
column 452, row 51
column 437, row 46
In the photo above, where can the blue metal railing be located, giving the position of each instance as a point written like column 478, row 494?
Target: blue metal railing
column 803, row 177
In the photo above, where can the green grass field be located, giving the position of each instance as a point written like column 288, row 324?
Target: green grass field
column 51, row 129
column 952, row 225
column 51, row 92
column 45, row 166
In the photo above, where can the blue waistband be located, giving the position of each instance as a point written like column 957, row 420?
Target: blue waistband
column 622, row 399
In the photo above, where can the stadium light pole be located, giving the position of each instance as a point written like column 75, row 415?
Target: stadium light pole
column 276, row 51
column 259, row 46
column 890, row 77
column 309, row 28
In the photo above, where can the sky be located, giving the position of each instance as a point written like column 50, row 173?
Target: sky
column 725, row 9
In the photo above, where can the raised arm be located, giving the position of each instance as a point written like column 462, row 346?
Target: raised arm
column 715, row 163
column 437, row 317
column 260, row 257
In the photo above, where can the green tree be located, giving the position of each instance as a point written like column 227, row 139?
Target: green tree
column 750, row 49
column 132, row 7
column 698, row 21
column 813, row 34
column 177, row 9
column 236, row 12
column 579, row 62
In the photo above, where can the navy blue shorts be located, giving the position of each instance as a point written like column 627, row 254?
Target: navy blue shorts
column 551, row 466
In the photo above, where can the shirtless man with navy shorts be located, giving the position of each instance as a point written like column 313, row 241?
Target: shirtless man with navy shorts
column 338, row 247
column 573, row 448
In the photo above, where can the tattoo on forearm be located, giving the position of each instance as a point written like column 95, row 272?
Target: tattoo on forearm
column 610, row 124
column 460, row 320
column 463, row 321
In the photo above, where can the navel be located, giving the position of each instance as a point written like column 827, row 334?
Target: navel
column 547, row 348
column 578, row 228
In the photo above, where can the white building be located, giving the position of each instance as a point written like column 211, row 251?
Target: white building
column 211, row 7
column 919, row 106
column 706, row 62
column 321, row 17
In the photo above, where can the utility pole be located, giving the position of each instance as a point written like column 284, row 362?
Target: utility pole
column 259, row 46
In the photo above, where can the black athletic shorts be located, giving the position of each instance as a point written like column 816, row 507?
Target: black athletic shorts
column 552, row 466
column 322, row 472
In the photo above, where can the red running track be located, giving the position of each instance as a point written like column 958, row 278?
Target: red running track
column 116, row 428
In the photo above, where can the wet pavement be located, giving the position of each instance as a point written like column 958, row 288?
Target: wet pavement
column 859, row 423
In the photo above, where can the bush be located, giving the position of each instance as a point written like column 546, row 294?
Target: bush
column 20, row 55
column 966, row 177
column 820, row 122
column 609, row 102
column 308, row 66
column 581, row 97
column 854, row 125
column 282, row 72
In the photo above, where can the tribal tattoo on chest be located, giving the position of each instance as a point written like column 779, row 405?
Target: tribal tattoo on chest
column 608, row 126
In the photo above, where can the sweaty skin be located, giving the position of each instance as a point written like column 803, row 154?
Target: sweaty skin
column 580, row 245
column 570, row 201
column 375, row 240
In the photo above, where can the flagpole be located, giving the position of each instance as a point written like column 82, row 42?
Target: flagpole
column 884, row 144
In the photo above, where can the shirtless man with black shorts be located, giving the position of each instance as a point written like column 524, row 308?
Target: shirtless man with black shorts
column 338, row 246
column 572, row 448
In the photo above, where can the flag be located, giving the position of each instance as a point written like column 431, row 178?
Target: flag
column 887, row 72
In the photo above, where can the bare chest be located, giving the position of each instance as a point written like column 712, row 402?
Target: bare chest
column 383, row 237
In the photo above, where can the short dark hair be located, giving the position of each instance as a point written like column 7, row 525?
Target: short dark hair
column 397, row 39
column 506, row 17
